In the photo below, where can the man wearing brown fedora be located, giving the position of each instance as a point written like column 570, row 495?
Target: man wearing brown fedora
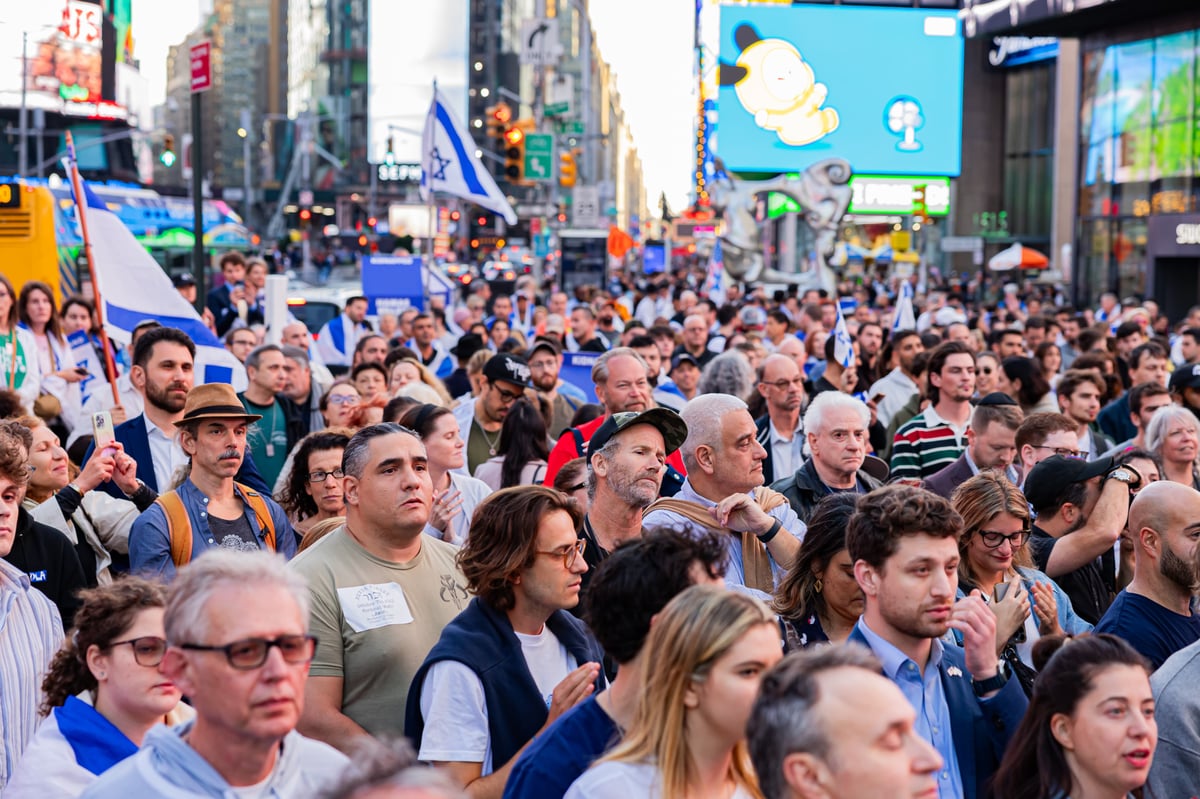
column 209, row 509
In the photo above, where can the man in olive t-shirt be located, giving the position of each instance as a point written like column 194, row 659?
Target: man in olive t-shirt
column 381, row 591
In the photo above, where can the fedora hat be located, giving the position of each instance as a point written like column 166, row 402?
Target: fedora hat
column 214, row 401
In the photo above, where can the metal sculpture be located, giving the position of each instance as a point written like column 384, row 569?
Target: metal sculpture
column 823, row 193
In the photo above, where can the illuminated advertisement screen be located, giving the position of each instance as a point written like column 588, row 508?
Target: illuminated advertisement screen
column 401, row 70
column 879, row 87
column 987, row 17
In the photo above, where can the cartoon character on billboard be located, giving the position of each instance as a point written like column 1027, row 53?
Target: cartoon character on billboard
column 776, row 86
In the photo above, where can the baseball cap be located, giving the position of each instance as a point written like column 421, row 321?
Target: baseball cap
column 508, row 369
column 664, row 420
column 753, row 316
column 1048, row 480
column 1186, row 376
column 468, row 344
column 183, row 279
column 944, row 317
column 555, row 324
column 543, row 343
column 997, row 398
column 683, row 357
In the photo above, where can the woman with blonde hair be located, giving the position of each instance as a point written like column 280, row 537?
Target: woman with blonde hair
column 1174, row 436
column 406, row 371
column 706, row 655
column 103, row 692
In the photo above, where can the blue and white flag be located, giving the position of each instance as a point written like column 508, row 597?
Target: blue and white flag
column 134, row 288
column 843, row 346
column 905, row 319
column 714, row 283
column 449, row 163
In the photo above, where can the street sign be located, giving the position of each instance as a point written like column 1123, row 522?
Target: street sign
column 201, row 58
column 561, row 94
column 586, row 207
column 540, row 46
column 570, row 127
column 539, row 156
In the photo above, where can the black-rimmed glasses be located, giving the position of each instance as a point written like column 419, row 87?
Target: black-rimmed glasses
column 319, row 477
column 993, row 540
column 1066, row 453
column 251, row 653
column 568, row 554
column 147, row 650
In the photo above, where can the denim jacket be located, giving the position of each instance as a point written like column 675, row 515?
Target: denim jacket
column 1070, row 622
column 150, row 540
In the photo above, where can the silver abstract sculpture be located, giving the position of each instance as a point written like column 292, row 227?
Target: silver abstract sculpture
column 823, row 193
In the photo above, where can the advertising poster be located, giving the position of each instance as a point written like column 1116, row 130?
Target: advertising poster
column 879, row 87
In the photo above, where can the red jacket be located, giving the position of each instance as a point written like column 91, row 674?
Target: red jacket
column 567, row 449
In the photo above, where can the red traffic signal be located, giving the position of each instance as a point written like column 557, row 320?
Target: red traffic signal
column 501, row 112
column 372, row 221
column 305, row 214
column 514, row 136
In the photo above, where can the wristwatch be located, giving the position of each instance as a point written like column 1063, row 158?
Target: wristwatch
column 1127, row 476
column 993, row 683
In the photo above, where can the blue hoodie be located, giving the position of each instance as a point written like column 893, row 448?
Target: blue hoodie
column 167, row 767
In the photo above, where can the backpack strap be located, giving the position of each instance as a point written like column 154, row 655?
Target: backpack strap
column 179, row 527
column 580, row 444
column 259, row 505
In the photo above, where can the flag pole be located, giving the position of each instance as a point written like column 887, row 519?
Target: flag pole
column 110, row 369
column 431, row 202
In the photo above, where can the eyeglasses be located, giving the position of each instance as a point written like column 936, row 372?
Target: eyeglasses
column 509, row 396
column 343, row 399
column 1065, row 452
column 568, row 554
column 251, row 653
column 784, row 385
column 993, row 540
column 147, row 650
column 319, row 477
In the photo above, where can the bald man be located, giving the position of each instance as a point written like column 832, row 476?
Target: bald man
column 1154, row 612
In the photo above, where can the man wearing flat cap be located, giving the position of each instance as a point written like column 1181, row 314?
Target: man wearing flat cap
column 209, row 509
column 991, row 444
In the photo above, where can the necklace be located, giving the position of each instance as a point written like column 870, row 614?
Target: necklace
column 491, row 444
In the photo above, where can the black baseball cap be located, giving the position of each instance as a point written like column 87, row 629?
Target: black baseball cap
column 183, row 279
column 1048, row 480
column 544, row 343
column 664, row 420
column 1186, row 376
column 508, row 368
column 468, row 345
column 683, row 357
column 997, row 398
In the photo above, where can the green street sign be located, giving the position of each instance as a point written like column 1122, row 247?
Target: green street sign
column 557, row 109
column 570, row 127
column 539, row 156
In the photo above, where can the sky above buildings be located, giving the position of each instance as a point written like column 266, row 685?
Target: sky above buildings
column 648, row 44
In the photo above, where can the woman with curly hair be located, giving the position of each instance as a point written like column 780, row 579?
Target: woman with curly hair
column 313, row 491
column 103, row 692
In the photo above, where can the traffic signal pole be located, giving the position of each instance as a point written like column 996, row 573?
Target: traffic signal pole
column 199, row 265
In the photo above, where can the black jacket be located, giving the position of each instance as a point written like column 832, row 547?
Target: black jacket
column 804, row 489
column 48, row 558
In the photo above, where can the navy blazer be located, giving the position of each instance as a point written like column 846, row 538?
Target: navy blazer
column 948, row 478
column 763, row 425
column 132, row 435
column 981, row 728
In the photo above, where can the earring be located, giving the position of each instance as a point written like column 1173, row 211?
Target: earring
column 818, row 585
column 101, row 675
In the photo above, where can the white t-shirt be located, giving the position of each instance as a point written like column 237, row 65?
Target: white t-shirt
column 455, row 711
column 623, row 781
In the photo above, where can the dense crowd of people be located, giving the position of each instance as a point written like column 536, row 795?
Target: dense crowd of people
column 780, row 546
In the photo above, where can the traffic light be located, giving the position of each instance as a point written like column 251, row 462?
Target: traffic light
column 920, row 206
column 390, row 156
column 514, row 155
column 498, row 116
column 568, row 167
column 305, row 217
column 168, row 154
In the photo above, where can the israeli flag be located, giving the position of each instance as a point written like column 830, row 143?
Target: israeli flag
column 134, row 288
column 714, row 282
column 905, row 318
column 843, row 346
column 449, row 164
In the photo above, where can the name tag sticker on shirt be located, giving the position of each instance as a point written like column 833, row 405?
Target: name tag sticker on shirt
column 369, row 607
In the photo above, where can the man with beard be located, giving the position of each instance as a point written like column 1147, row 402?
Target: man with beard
column 162, row 373
column 899, row 385
column 545, row 361
column 503, row 382
column 904, row 544
column 936, row 437
column 209, row 509
column 1081, row 508
column 1154, row 612
column 870, row 341
column 781, row 384
column 627, row 457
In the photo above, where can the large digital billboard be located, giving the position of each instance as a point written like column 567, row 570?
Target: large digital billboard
column 987, row 17
column 412, row 44
column 879, row 87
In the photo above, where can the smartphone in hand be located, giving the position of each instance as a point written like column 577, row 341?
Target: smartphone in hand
column 103, row 435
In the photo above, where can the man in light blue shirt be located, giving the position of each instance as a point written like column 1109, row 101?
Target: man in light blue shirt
column 904, row 544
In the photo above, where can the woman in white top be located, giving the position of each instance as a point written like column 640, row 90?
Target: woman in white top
column 522, row 451
column 455, row 496
column 55, row 359
column 104, row 691
column 19, row 368
column 708, row 650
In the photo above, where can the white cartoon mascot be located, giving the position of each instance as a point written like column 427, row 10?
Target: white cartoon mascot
column 774, row 84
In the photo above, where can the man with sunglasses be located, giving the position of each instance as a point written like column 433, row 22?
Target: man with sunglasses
column 1081, row 508
column 239, row 649
column 514, row 660
column 504, row 380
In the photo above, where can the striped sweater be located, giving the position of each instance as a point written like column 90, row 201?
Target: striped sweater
column 926, row 444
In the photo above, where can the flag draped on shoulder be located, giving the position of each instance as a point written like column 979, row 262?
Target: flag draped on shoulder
column 133, row 288
column 905, row 318
column 449, row 164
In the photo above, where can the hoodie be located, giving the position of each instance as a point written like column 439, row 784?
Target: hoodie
column 167, row 767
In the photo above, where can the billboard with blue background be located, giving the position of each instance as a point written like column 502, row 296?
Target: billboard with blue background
column 879, row 87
